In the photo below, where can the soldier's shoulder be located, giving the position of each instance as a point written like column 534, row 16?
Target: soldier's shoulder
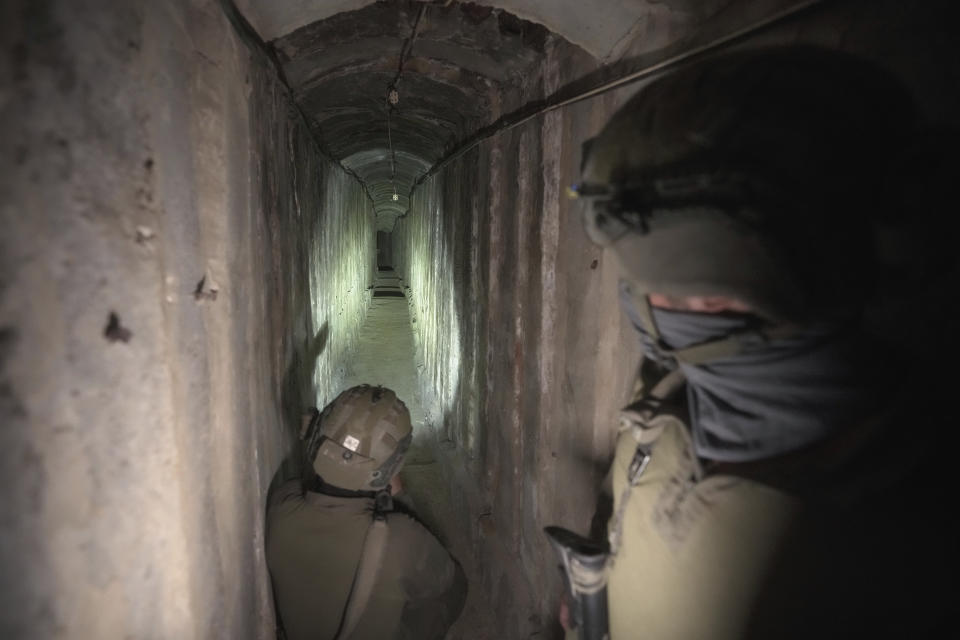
column 420, row 555
column 403, row 524
column 288, row 493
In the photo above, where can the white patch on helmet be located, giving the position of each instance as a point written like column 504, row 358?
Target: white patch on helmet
column 351, row 443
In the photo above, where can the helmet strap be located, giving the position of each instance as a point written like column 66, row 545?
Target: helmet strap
column 383, row 502
column 319, row 486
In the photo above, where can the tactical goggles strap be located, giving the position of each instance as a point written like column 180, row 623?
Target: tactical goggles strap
column 703, row 352
column 722, row 347
column 730, row 345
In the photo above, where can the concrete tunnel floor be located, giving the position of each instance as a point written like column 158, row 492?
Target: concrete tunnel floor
column 385, row 356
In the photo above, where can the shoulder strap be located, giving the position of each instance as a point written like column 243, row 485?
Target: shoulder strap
column 371, row 558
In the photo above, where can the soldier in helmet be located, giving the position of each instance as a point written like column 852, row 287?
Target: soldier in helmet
column 769, row 480
column 344, row 563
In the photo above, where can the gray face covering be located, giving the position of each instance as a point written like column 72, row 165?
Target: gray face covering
column 776, row 396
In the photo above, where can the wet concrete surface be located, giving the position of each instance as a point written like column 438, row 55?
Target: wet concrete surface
column 385, row 356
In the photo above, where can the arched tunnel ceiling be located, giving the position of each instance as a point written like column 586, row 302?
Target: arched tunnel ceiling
column 597, row 27
column 375, row 165
column 463, row 56
column 340, row 56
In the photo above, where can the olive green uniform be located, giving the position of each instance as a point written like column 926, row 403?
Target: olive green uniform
column 720, row 555
column 693, row 553
column 314, row 543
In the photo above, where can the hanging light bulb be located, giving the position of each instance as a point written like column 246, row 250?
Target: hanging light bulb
column 395, row 196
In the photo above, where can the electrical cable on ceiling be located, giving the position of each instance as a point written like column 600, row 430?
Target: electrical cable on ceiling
column 393, row 159
column 393, row 96
column 557, row 101
column 407, row 47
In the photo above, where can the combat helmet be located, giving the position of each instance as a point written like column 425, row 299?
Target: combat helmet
column 360, row 439
column 754, row 175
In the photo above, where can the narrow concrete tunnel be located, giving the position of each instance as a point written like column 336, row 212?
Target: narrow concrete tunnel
column 214, row 218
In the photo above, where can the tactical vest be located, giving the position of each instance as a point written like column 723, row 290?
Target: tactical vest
column 692, row 548
column 810, row 544
column 688, row 551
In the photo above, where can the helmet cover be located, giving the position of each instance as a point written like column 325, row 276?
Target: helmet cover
column 361, row 439
column 755, row 175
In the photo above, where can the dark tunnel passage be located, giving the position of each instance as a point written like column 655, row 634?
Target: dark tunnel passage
column 216, row 215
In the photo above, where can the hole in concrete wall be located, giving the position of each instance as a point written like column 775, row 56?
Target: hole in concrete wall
column 114, row 331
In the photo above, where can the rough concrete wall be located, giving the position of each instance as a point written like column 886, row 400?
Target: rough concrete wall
column 174, row 254
column 498, row 266
column 341, row 250
column 427, row 260
column 546, row 358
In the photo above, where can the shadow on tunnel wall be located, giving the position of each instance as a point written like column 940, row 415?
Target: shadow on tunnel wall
column 296, row 396
column 294, row 400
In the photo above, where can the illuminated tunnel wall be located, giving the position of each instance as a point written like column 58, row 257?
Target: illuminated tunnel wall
column 342, row 272
column 521, row 349
column 426, row 255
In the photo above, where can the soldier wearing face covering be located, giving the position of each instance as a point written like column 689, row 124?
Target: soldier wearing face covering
column 773, row 475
